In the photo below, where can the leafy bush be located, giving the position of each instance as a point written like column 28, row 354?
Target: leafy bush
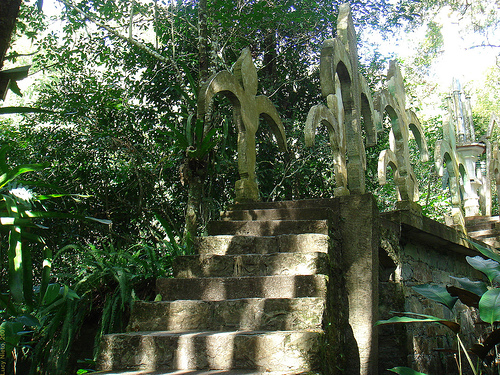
column 42, row 312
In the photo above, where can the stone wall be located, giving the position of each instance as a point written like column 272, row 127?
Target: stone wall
column 416, row 250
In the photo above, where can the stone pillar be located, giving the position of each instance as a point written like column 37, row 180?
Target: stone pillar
column 470, row 153
column 359, row 227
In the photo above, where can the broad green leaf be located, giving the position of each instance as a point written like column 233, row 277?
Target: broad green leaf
column 11, row 332
column 15, row 261
column 489, row 306
column 46, row 268
column 102, row 221
column 14, row 110
column 6, row 220
column 168, row 230
column 189, row 130
column 419, row 318
column 28, row 320
column 476, row 287
column 14, row 87
column 437, row 293
column 489, row 267
column 486, row 251
column 7, row 305
column 68, row 293
column 192, row 82
column 51, row 294
column 10, row 175
column 482, row 349
column 405, row 371
column 51, row 196
column 467, row 298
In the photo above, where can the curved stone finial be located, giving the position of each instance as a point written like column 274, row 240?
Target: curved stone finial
column 340, row 79
column 393, row 101
column 240, row 88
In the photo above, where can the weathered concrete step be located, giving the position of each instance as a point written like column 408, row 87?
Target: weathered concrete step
column 473, row 220
column 483, row 226
column 484, row 233
column 221, row 288
column 267, row 228
column 250, row 265
column 237, row 314
column 277, row 214
column 477, row 223
column 202, row 372
column 305, row 203
column 283, row 351
column 286, row 243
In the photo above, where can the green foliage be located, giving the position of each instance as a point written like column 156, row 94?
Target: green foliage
column 409, row 317
column 405, row 371
column 118, row 124
column 437, row 293
column 475, row 294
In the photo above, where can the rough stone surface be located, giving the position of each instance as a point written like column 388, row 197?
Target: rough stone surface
column 260, row 350
column 238, row 314
column 342, row 84
column 277, row 214
column 267, row 228
column 485, row 229
column 417, row 250
column 295, row 243
column 251, row 265
column 199, row 372
column 220, row 288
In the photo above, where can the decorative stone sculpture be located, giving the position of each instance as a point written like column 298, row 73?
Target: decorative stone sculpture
column 445, row 154
column 240, row 87
column 467, row 148
column 492, row 166
column 344, row 88
column 331, row 116
column 392, row 101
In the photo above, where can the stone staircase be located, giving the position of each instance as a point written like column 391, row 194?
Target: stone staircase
column 484, row 228
column 252, row 301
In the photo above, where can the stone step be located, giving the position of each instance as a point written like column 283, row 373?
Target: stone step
column 221, row 288
column 286, row 243
column 277, row 214
column 305, row 203
column 484, row 233
column 211, row 265
column 201, row 372
column 267, row 228
column 237, row 314
column 474, row 223
column 481, row 219
column 284, row 351
column 488, row 224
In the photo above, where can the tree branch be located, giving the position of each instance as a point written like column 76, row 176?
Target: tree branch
column 484, row 45
column 132, row 41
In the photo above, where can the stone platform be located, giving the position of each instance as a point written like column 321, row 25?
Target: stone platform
column 251, row 301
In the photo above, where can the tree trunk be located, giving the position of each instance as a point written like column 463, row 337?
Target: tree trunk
column 196, row 170
column 9, row 10
column 202, row 41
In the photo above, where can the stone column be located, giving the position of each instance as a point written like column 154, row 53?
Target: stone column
column 470, row 154
column 359, row 227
